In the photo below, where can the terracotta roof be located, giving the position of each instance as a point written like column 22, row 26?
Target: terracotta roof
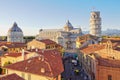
column 14, row 54
column 112, row 40
column 117, row 48
column 47, row 41
column 11, row 77
column 49, row 61
column 92, row 48
column 58, row 45
column 104, row 40
column 87, row 37
column 115, row 42
column 108, row 62
column 12, row 44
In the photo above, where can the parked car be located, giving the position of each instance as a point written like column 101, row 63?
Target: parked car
column 76, row 71
column 75, row 62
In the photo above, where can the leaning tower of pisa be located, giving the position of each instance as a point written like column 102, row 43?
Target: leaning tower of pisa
column 95, row 23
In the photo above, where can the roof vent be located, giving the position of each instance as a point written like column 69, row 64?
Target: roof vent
column 26, row 68
column 36, row 50
column 42, row 50
column 42, row 58
column 39, row 58
column 35, row 55
column 29, row 61
column 42, row 70
column 55, row 52
column 113, row 57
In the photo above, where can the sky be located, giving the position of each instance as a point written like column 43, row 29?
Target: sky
column 33, row 15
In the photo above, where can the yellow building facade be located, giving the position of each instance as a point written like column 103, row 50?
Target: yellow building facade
column 44, row 44
column 11, row 58
column 39, row 67
column 12, row 46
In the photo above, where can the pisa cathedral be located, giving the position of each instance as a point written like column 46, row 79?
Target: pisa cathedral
column 67, row 36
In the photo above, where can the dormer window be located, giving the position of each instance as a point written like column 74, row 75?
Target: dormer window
column 109, row 77
column 42, row 70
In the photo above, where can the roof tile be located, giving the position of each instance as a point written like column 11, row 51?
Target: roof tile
column 11, row 77
column 49, row 60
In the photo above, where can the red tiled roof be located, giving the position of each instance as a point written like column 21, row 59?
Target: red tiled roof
column 58, row 45
column 47, row 41
column 108, row 62
column 11, row 77
column 117, row 48
column 115, row 42
column 12, row 44
column 87, row 37
column 92, row 48
column 104, row 40
column 112, row 40
column 14, row 54
column 49, row 60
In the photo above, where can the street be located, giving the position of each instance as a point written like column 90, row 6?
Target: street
column 73, row 70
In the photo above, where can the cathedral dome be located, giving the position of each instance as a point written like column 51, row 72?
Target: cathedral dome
column 68, row 26
column 15, row 28
column 15, row 34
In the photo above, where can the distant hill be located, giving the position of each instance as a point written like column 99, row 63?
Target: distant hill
column 108, row 32
column 111, row 32
column 85, row 32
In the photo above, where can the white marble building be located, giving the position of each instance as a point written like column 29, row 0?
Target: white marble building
column 66, row 36
column 15, row 34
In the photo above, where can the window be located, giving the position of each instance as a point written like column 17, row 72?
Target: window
column 109, row 77
column 23, row 75
column 48, row 47
column 6, row 71
column 29, row 77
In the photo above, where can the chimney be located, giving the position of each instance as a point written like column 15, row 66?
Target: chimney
column 39, row 58
column 36, row 50
column 42, row 58
column 42, row 50
column 42, row 70
column 23, row 54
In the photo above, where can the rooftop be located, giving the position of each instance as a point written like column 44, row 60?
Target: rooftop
column 47, row 41
column 12, row 44
column 15, row 54
column 92, row 48
column 46, row 63
column 108, row 62
column 11, row 77
column 14, row 28
column 86, row 37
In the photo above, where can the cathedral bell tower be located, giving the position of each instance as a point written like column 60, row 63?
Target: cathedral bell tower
column 95, row 23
